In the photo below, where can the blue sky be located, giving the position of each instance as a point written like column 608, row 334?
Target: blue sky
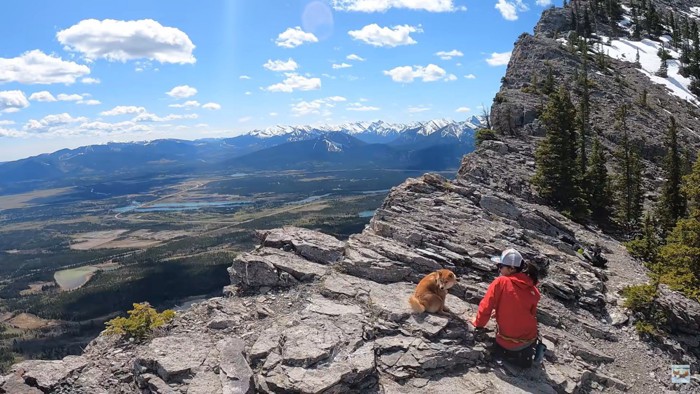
column 75, row 73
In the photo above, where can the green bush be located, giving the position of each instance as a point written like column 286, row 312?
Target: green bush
column 484, row 135
column 142, row 320
column 639, row 298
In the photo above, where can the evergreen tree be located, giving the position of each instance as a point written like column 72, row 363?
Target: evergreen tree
column 646, row 247
column 672, row 203
column 557, row 176
column 599, row 196
column 627, row 185
column 583, row 113
column 679, row 262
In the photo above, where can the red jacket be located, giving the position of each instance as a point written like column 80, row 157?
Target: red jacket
column 515, row 299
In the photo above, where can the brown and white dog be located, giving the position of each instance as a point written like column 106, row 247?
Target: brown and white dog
column 431, row 292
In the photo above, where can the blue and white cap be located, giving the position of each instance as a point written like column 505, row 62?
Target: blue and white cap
column 509, row 257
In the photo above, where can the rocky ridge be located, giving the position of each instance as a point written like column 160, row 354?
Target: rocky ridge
column 308, row 313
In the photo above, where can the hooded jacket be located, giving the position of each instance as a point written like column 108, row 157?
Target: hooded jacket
column 515, row 298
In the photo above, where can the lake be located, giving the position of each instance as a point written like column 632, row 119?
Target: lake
column 366, row 214
column 179, row 206
column 73, row 278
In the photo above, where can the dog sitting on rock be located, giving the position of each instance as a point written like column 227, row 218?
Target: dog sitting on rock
column 431, row 292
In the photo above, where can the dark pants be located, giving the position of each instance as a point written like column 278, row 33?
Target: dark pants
column 521, row 358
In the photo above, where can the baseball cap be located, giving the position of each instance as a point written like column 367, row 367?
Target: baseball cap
column 509, row 257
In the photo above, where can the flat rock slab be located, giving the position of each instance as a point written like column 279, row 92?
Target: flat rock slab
column 307, row 343
column 325, row 306
column 313, row 245
column 390, row 300
column 300, row 268
column 235, row 373
column 175, row 357
column 48, row 374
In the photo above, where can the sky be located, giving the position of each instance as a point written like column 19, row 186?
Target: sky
column 80, row 72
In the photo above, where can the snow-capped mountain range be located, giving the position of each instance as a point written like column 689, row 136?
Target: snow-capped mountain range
column 377, row 128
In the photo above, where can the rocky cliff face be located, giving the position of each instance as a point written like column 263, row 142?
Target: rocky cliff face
column 310, row 314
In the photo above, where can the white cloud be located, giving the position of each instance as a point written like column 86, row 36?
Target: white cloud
column 509, row 9
column 148, row 117
column 470, row 76
column 295, row 82
column 117, row 40
column 499, row 59
column 415, row 110
column 69, row 97
column 248, row 93
column 90, row 102
column 101, row 128
column 6, row 122
column 429, row 73
column 361, row 107
column 543, row 3
column 212, row 106
column 36, row 67
column 280, row 65
column 293, row 37
column 463, row 109
column 318, row 106
column 187, row 104
column 449, row 55
column 385, row 5
column 273, row 114
column 354, row 57
column 245, row 119
column 42, row 96
column 123, row 110
column 49, row 121
column 244, row 77
column 341, row 65
column 13, row 101
column 385, row 36
column 182, row 91
column 90, row 81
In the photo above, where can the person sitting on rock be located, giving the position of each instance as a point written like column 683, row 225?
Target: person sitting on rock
column 514, row 298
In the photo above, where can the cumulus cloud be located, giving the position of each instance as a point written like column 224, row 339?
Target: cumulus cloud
column 49, row 121
column 44, row 95
column 499, row 59
column 69, row 97
column 148, row 117
column 245, row 119
column 449, row 55
column 182, row 91
column 463, row 109
column 13, row 101
column 281, row 65
column 354, row 57
column 361, row 107
column 293, row 37
column 90, row 81
column 415, row 110
column 187, row 104
column 90, row 102
column 117, row 40
column 318, row 106
column 509, row 8
column 470, row 76
column 543, row 3
column 36, row 67
column 385, row 5
column 295, row 82
column 244, row 77
column 123, row 110
column 429, row 73
column 6, row 122
column 212, row 106
column 386, row 36
column 341, row 65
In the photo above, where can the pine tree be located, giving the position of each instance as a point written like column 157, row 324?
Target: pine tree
column 583, row 113
column 627, row 185
column 637, row 63
column 672, row 204
column 646, row 246
column 599, row 197
column 557, row 176
column 679, row 262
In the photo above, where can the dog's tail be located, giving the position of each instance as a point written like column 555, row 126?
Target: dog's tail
column 416, row 305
